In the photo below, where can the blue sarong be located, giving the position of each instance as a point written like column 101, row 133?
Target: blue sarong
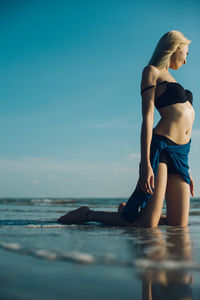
column 178, row 154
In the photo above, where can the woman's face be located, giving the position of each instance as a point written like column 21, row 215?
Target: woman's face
column 178, row 58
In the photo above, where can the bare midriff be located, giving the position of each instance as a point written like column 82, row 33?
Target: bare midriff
column 176, row 122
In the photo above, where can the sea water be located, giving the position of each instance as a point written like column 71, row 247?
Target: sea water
column 41, row 258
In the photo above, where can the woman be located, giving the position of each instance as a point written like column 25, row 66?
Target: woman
column 164, row 171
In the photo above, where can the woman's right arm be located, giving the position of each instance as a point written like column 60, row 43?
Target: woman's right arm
column 149, row 78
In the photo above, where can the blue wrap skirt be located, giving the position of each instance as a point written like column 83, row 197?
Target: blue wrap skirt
column 178, row 155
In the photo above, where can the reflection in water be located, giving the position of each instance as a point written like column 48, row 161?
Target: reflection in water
column 162, row 263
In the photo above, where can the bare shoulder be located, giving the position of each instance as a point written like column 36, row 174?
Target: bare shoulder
column 150, row 75
column 151, row 69
column 148, row 83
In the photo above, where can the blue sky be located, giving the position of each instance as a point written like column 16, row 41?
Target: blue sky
column 70, row 76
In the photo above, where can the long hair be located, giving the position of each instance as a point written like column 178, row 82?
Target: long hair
column 168, row 44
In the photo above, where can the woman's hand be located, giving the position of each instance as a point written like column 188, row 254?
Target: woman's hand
column 191, row 186
column 146, row 179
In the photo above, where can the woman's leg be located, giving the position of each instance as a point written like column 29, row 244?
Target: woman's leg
column 84, row 214
column 151, row 214
column 109, row 218
column 162, row 220
column 177, row 201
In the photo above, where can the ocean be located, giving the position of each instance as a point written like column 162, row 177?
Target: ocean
column 41, row 259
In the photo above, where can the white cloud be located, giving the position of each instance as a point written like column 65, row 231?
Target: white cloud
column 45, row 176
column 35, row 181
column 133, row 156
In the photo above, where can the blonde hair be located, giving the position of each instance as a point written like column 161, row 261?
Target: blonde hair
column 168, row 44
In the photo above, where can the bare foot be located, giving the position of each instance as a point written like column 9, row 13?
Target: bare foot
column 75, row 216
column 121, row 206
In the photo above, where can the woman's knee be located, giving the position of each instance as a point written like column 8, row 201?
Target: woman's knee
column 150, row 222
column 179, row 223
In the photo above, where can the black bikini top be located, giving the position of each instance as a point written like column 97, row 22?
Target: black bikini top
column 174, row 93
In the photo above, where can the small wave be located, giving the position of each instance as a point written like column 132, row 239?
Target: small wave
column 166, row 265
column 45, row 254
column 25, row 223
column 80, row 257
column 109, row 259
column 99, row 202
column 71, row 256
column 41, row 200
column 11, row 246
column 74, row 256
column 47, row 226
